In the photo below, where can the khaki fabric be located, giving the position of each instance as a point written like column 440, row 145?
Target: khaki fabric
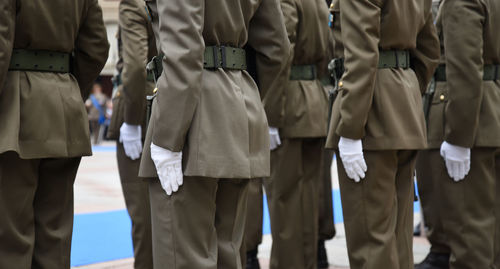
column 431, row 171
column 255, row 215
column 200, row 226
column 383, row 107
column 326, row 225
column 471, row 40
column 136, row 46
column 136, row 194
column 43, row 114
column 293, row 202
column 216, row 117
column 378, row 211
column 36, row 205
column 306, row 100
column 469, row 214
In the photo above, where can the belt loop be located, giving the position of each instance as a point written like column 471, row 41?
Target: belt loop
column 223, row 56
column 216, row 56
column 397, row 58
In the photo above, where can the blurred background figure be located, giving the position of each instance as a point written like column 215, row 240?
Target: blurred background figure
column 96, row 107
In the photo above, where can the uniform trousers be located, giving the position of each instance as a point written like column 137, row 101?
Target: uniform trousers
column 136, row 194
column 431, row 170
column 293, row 202
column 470, row 212
column 201, row 226
column 36, row 209
column 378, row 211
column 325, row 206
column 254, row 219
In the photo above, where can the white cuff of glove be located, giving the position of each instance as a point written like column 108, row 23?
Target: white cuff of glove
column 351, row 154
column 130, row 136
column 457, row 160
column 169, row 168
column 274, row 137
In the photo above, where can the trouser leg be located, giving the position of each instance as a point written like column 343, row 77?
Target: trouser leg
column 18, row 183
column 497, row 207
column 136, row 194
column 292, row 199
column 431, row 171
column 53, row 206
column 230, row 221
column 378, row 211
column 253, row 228
column 468, row 214
column 194, row 227
column 325, row 205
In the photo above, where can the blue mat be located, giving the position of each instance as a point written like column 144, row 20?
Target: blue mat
column 106, row 236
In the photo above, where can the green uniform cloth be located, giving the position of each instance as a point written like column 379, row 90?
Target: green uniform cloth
column 326, row 225
column 255, row 215
column 378, row 211
column 293, row 202
column 431, row 170
column 36, row 205
column 469, row 212
column 136, row 194
column 201, row 225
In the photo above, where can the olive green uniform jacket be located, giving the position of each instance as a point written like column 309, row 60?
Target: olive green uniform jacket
column 216, row 117
column 472, row 112
column 306, row 108
column 383, row 107
column 43, row 114
column 136, row 47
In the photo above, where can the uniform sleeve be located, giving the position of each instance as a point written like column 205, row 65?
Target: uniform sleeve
column 425, row 57
column 134, row 36
column 268, row 36
column 360, row 21
column 179, row 85
column 7, row 30
column 91, row 48
column 462, row 22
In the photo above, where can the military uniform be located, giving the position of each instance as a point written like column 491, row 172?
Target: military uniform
column 216, row 117
column 431, row 169
column 136, row 47
column 391, row 55
column 295, row 165
column 44, row 123
column 465, row 112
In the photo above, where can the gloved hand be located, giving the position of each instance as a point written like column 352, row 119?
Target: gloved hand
column 274, row 135
column 457, row 160
column 130, row 136
column 169, row 167
column 351, row 154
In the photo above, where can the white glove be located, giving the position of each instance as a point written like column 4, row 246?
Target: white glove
column 130, row 136
column 274, row 135
column 169, row 167
column 457, row 160
column 351, row 153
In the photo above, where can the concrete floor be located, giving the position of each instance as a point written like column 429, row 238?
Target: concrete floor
column 97, row 189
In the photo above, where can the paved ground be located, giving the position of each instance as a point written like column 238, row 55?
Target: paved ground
column 97, row 189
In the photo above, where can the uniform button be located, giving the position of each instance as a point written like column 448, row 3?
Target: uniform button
column 118, row 94
column 331, row 6
column 155, row 90
column 341, row 84
column 441, row 97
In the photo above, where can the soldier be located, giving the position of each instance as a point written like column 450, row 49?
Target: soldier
column 298, row 145
column 431, row 171
column 465, row 117
column 44, row 129
column 208, row 132
column 377, row 124
column 136, row 46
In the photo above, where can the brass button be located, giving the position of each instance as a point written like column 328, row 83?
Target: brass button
column 341, row 84
column 155, row 90
column 118, row 93
column 332, row 6
column 441, row 97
